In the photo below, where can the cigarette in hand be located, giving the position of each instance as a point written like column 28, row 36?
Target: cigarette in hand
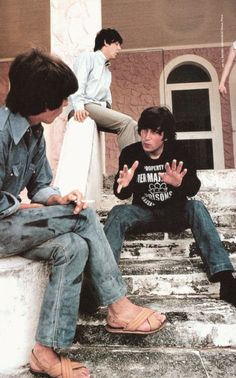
column 87, row 200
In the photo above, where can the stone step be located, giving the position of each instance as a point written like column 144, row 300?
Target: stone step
column 218, row 189
column 149, row 246
column 156, row 362
column 221, row 216
column 121, row 362
column 193, row 322
column 214, row 180
column 212, row 199
column 224, row 179
column 168, row 276
column 217, row 198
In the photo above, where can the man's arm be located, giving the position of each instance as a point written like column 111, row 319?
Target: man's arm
column 82, row 68
column 227, row 69
column 125, row 176
column 39, row 184
column 39, row 189
column 181, row 171
column 174, row 173
column 9, row 203
column 124, row 179
column 75, row 197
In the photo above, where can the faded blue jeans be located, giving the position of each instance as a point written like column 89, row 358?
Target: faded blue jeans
column 71, row 243
column 191, row 214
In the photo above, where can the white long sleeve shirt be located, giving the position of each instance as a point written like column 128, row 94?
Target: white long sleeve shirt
column 94, row 78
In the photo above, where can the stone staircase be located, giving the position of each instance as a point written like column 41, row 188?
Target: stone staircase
column 165, row 272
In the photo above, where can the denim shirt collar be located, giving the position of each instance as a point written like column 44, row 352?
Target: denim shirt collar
column 22, row 126
column 18, row 124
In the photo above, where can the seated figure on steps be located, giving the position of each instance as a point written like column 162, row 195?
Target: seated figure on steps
column 93, row 97
column 160, row 176
column 60, row 229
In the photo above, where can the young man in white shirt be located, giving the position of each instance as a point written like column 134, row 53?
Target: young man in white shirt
column 93, row 97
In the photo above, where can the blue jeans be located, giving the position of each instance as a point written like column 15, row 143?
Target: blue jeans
column 191, row 214
column 71, row 243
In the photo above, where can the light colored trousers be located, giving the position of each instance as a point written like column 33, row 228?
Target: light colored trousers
column 109, row 120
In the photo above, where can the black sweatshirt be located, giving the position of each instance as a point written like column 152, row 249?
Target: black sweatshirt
column 147, row 188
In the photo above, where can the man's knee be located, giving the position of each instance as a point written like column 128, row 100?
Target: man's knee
column 119, row 212
column 89, row 214
column 195, row 207
column 129, row 121
column 68, row 247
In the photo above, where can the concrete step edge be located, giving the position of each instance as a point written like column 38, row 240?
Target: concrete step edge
column 133, row 362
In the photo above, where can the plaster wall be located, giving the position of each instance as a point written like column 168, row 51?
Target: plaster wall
column 158, row 23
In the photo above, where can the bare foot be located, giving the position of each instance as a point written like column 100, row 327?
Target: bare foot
column 46, row 358
column 127, row 311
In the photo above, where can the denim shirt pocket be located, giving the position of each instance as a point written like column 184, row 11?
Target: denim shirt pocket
column 18, row 176
column 12, row 181
column 28, row 174
column 13, row 172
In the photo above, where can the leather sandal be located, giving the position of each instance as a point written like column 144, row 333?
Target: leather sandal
column 133, row 325
column 64, row 368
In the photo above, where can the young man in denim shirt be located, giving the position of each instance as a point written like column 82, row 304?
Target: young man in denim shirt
column 160, row 176
column 51, row 227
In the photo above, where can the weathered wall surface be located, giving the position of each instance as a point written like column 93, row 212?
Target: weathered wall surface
column 158, row 23
column 24, row 24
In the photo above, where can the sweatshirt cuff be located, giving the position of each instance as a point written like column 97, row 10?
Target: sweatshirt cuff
column 14, row 206
column 79, row 106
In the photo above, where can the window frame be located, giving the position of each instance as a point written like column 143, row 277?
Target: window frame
column 216, row 134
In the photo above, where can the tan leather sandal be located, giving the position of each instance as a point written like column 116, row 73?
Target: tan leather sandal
column 133, row 325
column 64, row 368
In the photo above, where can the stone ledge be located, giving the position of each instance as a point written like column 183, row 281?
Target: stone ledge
column 22, row 284
column 133, row 362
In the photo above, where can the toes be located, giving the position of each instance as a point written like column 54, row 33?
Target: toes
column 163, row 318
column 160, row 317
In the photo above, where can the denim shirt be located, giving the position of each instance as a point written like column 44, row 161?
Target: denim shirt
column 22, row 166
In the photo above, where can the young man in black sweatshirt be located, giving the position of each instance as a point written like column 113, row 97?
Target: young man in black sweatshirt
column 161, row 177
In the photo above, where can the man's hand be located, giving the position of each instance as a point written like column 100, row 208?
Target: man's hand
column 126, row 175
column 81, row 115
column 74, row 196
column 223, row 90
column 174, row 174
